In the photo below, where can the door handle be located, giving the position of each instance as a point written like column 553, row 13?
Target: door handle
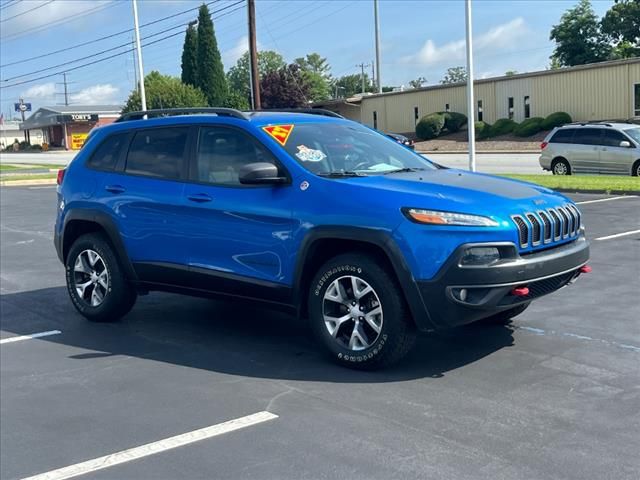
column 114, row 188
column 200, row 198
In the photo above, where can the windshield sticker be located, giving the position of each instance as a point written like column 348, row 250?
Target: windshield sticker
column 280, row 133
column 307, row 154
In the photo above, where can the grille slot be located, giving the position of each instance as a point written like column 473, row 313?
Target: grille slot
column 578, row 221
column 565, row 223
column 548, row 232
column 523, row 230
column 535, row 229
column 557, row 225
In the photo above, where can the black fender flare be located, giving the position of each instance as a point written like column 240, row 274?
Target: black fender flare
column 378, row 238
column 106, row 222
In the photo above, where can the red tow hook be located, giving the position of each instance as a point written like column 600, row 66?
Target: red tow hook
column 520, row 291
column 585, row 269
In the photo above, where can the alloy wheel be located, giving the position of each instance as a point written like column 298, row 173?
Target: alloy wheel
column 560, row 168
column 91, row 278
column 352, row 312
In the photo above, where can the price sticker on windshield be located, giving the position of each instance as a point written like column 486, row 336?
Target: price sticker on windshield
column 280, row 133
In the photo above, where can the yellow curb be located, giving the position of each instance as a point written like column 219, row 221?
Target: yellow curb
column 22, row 183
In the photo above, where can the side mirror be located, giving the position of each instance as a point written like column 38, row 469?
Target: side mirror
column 625, row 144
column 260, row 173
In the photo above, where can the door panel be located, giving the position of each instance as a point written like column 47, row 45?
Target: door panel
column 237, row 229
column 613, row 157
column 584, row 152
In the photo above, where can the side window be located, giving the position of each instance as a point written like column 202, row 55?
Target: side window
column 510, row 107
column 612, row 138
column 375, row 120
column 416, row 115
column 480, row 112
column 222, row 152
column 106, row 155
column 587, row 136
column 159, row 152
column 564, row 135
column 527, row 107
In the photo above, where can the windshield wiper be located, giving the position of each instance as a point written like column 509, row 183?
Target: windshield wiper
column 340, row 173
column 404, row 170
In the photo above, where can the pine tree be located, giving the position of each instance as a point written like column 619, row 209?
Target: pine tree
column 211, row 78
column 190, row 57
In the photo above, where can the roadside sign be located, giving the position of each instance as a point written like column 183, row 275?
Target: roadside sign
column 22, row 107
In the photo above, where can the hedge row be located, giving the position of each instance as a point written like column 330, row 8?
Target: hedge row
column 432, row 125
column 528, row 127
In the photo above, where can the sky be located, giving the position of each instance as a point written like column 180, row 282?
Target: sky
column 419, row 38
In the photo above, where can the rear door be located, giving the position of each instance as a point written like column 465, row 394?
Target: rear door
column 613, row 157
column 584, row 152
column 239, row 234
column 145, row 196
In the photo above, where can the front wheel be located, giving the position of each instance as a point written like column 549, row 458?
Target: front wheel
column 95, row 282
column 358, row 313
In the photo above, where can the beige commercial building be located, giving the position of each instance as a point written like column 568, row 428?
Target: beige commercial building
column 601, row 91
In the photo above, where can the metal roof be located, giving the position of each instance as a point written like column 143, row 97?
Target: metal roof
column 114, row 109
column 47, row 116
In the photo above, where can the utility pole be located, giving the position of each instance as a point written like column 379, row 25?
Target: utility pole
column 254, row 77
column 143, row 98
column 66, row 91
column 470, row 100
column 362, row 67
column 377, row 24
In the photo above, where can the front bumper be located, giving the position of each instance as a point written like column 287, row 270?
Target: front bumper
column 488, row 289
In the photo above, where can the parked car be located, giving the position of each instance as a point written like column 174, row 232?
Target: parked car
column 317, row 215
column 402, row 140
column 612, row 148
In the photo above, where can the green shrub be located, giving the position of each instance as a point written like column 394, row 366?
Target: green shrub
column 24, row 145
column 555, row 120
column 483, row 130
column 36, row 148
column 430, row 126
column 453, row 121
column 529, row 127
column 502, row 127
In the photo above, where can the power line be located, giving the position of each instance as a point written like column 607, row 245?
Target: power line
column 108, row 57
column 26, row 11
column 24, row 60
column 9, row 4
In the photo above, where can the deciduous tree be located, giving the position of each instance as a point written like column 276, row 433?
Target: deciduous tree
column 164, row 91
column 455, row 75
column 285, row 88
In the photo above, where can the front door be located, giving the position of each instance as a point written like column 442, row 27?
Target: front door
column 613, row 157
column 237, row 232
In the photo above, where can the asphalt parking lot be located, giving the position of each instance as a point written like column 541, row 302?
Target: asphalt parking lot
column 554, row 395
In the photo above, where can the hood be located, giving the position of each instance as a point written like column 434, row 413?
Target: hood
column 476, row 192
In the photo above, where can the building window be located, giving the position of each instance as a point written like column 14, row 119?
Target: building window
column 446, row 107
column 527, row 107
column 480, row 116
column 636, row 100
column 510, row 108
column 416, row 115
column 375, row 120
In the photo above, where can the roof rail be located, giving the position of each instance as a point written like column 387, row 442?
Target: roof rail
column 591, row 122
column 312, row 111
column 169, row 112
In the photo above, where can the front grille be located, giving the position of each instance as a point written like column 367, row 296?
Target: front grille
column 540, row 288
column 547, row 226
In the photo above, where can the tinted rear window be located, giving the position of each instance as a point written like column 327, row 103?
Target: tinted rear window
column 108, row 152
column 158, row 153
column 587, row 136
column 563, row 135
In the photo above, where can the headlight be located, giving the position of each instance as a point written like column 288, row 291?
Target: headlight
column 475, row 256
column 435, row 217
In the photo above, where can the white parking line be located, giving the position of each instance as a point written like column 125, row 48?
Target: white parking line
column 606, row 199
column 154, row 447
column 623, row 234
column 30, row 337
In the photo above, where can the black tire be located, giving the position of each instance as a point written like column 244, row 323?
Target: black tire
column 560, row 166
column 119, row 296
column 635, row 170
column 504, row 317
column 397, row 332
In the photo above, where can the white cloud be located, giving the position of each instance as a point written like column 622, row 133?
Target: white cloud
column 501, row 37
column 102, row 94
column 45, row 91
column 232, row 55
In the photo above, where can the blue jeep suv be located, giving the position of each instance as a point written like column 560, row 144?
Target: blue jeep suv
column 312, row 213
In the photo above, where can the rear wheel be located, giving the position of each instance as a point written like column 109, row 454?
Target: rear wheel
column 635, row 170
column 95, row 282
column 561, row 167
column 504, row 317
column 358, row 313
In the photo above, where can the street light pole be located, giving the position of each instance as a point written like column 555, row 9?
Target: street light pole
column 143, row 97
column 470, row 101
column 377, row 22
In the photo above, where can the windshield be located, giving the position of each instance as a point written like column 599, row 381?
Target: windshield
column 634, row 133
column 334, row 149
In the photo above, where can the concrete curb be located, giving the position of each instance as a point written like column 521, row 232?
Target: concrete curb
column 632, row 193
column 23, row 183
column 488, row 152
